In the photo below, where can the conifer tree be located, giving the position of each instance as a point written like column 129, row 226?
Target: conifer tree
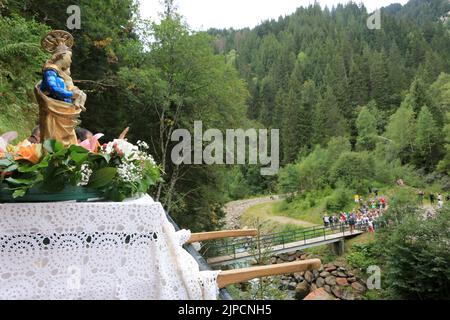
column 427, row 140
column 367, row 130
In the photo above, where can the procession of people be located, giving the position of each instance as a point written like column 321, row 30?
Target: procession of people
column 366, row 216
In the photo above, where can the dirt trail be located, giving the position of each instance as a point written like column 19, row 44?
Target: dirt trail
column 234, row 210
column 287, row 220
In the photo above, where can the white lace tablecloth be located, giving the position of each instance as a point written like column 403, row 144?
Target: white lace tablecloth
column 97, row 250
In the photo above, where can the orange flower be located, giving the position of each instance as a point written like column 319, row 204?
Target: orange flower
column 31, row 153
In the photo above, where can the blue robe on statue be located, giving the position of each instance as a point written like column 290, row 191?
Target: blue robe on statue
column 53, row 86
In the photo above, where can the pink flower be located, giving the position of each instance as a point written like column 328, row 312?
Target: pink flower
column 119, row 152
column 92, row 144
column 6, row 139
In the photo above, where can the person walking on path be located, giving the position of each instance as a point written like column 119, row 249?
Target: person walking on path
column 326, row 221
column 352, row 222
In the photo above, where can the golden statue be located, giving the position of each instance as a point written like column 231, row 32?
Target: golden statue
column 60, row 101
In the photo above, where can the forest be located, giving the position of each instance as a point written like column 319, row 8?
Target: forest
column 356, row 108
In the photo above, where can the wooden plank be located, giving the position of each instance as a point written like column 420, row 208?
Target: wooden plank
column 206, row 236
column 226, row 278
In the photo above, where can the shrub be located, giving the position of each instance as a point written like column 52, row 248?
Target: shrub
column 354, row 170
column 339, row 200
column 417, row 256
column 362, row 256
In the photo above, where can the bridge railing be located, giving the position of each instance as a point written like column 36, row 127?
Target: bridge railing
column 236, row 246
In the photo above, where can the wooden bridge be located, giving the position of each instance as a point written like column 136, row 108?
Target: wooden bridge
column 250, row 247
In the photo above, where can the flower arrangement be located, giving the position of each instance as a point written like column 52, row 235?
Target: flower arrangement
column 116, row 170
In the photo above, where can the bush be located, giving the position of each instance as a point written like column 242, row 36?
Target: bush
column 354, row 170
column 417, row 255
column 362, row 256
column 339, row 200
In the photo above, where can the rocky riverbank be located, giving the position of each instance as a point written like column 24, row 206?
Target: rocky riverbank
column 331, row 281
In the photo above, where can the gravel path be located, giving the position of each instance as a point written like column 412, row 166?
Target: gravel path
column 234, row 210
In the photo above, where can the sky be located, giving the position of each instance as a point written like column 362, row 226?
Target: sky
column 205, row 14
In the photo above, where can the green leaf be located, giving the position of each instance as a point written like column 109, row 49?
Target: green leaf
column 78, row 157
column 5, row 162
column 78, row 154
column 19, row 193
column 27, row 168
column 101, row 156
column 11, row 168
column 21, row 181
column 53, row 146
column 78, row 149
column 102, row 177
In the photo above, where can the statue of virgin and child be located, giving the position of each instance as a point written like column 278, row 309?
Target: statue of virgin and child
column 60, row 101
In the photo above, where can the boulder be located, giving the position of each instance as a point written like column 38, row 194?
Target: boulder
column 342, row 282
column 315, row 274
column 342, row 269
column 331, row 281
column 309, row 276
column 324, row 274
column 313, row 287
column 319, row 294
column 284, row 257
column 302, row 290
column 320, row 282
column 298, row 277
column 348, row 295
column 353, row 279
column 273, row 260
column 358, row 287
column 342, row 293
column 291, row 258
column 341, row 274
column 350, row 274
column 338, row 292
column 327, row 288
column 334, row 273
column 292, row 285
column 330, row 267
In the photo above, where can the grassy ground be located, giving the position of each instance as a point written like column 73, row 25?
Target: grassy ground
column 22, row 123
column 301, row 210
column 275, row 220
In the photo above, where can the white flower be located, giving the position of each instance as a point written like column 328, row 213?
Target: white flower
column 142, row 156
column 129, row 172
column 143, row 145
column 124, row 147
column 86, row 173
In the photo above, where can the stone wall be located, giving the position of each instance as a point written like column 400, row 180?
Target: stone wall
column 334, row 278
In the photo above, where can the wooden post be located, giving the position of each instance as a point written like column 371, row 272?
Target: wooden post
column 226, row 278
